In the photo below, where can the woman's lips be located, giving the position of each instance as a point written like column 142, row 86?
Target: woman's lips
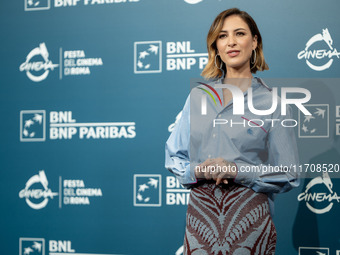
column 233, row 53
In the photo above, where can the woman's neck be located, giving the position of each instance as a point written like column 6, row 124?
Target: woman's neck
column 239, row 78
column 238, row 73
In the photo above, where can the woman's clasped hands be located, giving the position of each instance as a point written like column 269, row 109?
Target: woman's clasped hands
column 217, row 169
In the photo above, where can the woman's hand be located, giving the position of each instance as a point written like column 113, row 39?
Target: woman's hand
column 217, row 169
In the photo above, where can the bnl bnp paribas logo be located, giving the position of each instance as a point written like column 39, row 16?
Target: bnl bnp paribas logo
column 147, row 191
column 315, row 125
column 33, row 126
column 37, row 5
column 314, row 251
column 31, row 246
column 38, row 246
column 62, row 126
column 179, row 56
column 315, row 52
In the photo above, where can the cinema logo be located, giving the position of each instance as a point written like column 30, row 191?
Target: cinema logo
column 63, row 126
column 325, row 199
column 179, row 56
column 36, row 192
column 320, row 54
column 38, row 65
column 71, row 192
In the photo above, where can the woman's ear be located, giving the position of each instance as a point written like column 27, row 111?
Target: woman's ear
column 254, row 42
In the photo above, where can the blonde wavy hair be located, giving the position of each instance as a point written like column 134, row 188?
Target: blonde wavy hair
column 210, row 71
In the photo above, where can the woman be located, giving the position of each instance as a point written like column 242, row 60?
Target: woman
column 225, row 158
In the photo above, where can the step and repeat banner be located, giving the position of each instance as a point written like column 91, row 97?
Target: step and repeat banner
column 90, row 92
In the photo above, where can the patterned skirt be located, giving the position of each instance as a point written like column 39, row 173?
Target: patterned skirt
column 228, row 219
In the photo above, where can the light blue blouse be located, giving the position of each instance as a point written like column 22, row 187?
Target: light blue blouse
column 251, row 141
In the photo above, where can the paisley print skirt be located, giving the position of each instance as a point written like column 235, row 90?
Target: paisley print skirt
column 228, row 219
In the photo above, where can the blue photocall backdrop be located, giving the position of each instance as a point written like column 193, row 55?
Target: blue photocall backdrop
column 90, row 91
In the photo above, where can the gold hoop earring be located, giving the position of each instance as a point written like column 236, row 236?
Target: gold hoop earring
column 253, row 62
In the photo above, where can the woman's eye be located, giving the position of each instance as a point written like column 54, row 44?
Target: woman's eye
column 222, row 35
column 240, row 33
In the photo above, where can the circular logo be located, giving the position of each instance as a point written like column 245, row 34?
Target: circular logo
column 37, row 194
column 309, row 196
column 319, row 54
column 32, row 68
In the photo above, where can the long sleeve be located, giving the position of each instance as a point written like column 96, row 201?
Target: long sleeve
column 282, row 153
column 177, row 149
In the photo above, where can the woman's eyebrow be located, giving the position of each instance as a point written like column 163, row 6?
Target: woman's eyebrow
column 225, row 31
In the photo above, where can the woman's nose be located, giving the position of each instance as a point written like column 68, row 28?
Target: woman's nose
column 231, row 40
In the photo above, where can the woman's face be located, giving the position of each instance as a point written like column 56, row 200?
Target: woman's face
column 235, row 43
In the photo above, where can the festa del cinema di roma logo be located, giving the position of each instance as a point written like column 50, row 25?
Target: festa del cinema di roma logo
column 38, row 65
column 320, row 54
column 71, row 192
column 37, row 198
column 319, row 197
column 38, row 70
